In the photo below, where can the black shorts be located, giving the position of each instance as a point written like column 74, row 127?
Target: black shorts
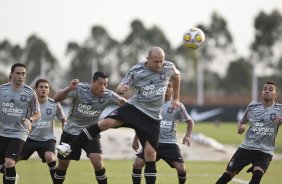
column 41, row 147
column 146, row 128
column 10, row 148
column 168, row 152
column 93, row 146
column 243, row 157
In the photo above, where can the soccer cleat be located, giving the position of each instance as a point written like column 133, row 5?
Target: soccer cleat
column 64, row 149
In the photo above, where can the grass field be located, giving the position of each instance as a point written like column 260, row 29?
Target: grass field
column 119, row 171
column 81, row 172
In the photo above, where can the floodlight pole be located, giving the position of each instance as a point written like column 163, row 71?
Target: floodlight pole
column 254, row 79
column 200, row 80
column 254, row 85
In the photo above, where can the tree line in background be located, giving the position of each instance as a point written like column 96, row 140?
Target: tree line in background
column 222, row 71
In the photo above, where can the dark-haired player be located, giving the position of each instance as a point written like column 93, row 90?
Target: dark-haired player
column 257, row 149
column 143, row 110
column 87, row 103
column 19, row 109
column 41, row 137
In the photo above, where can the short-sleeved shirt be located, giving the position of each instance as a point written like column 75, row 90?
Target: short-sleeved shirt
column 42, row 130
column 168, row 122
column 86, row 108
column 15, row 105
column 263, row 127
column 150, row 87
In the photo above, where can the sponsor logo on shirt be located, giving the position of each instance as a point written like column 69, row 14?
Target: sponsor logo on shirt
column 9, row 109
column 42, row 124
column 86, row 110
column 165, row 124
column 259, row 128
column 150, row 90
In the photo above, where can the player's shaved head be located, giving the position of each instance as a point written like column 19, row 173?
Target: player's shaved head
column 156, row 52
column 155, row 58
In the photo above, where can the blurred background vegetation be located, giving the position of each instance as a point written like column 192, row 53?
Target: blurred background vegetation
column 215, row 72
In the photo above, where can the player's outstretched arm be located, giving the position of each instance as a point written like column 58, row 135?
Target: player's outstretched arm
column 62, row 94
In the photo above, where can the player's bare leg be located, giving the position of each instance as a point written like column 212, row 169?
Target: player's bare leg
column 137, row 170
column 181, row 172
column 100, row 172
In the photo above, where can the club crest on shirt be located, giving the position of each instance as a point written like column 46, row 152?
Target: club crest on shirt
column 272, row 116
column 162, row 75
column 169, row 110
column 48, row 111
column 23, row 98
column 101, row 100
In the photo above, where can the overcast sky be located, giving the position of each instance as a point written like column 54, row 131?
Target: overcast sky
column 59, row 21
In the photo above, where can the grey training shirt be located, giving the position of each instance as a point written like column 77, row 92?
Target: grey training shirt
column 86, row 108
column 15, row 105
column 42, row 130
column 168, row 122
column 150, row 87
column 263, row 127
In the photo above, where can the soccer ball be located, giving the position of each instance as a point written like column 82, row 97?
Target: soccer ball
column 193, row 38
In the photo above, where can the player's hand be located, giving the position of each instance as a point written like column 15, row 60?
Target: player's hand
column 121, row 89
column 241, row 128
column 175, row 103
column 73, row 84
column 135, row 145
column 27, row 123
column 279, row 119
column 186, row 141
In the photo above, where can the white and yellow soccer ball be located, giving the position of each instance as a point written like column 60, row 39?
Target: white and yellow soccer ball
column 193, row 38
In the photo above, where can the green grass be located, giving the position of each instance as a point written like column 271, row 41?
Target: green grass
column 119, row 172
column 225, row 133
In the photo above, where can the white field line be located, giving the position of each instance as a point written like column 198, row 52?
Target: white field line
column 234, row 180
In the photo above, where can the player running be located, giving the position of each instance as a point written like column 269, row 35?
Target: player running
column 258, row 146
column 19, row 109
column 41, row 137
